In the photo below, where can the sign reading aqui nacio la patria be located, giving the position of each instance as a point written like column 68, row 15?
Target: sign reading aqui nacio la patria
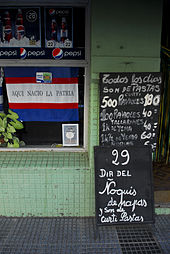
column 129, row 108
column 123, row 185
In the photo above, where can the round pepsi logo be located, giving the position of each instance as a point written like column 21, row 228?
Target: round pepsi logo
column 7, row 29
column 23, row 53
column 57, row 53
column 52, row 12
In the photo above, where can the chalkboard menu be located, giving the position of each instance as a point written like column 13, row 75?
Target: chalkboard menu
column 123, row 184
column 129, row 108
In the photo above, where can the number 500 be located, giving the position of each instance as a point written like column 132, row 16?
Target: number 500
column 108, row 102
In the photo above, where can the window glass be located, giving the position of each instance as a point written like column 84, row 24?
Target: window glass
column 45, row 98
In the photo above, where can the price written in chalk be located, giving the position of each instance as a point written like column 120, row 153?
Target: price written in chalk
column 108, row 102
column 129, row 108
column 150, row 99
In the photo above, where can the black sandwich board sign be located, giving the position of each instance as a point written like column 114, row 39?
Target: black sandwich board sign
column 123, row 185
column 129, row 108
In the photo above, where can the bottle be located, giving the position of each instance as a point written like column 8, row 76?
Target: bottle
column 1, row 32
column 53, row 30
column 20, row 32
column 19, row 18
column 64, row 30
column 7, row 29
column 19, row 26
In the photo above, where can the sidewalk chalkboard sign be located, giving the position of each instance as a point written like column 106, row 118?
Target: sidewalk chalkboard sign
column 129, row 108
column 123, row 185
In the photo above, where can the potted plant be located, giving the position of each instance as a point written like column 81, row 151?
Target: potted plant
column 8, row 126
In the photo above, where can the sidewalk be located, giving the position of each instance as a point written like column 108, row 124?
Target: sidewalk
column 79, row 236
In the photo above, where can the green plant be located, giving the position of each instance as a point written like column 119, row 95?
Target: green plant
column 8, row 126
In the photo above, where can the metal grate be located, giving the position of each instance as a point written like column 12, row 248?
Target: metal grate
column 138, row 239
column 161, row 231
column 94, row 239
column 81, row 236
column 145, row 248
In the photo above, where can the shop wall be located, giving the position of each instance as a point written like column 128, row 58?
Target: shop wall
column 125, row 36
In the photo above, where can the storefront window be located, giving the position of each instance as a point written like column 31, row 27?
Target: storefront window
column 45, row 76
column 45, row 98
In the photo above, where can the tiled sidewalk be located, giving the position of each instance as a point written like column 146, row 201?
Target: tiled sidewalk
column 80, row 236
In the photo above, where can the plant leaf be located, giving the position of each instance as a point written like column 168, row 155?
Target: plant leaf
column 1, row 121
column 15, row 144
column 9, row 135
column 15, row 138
column 22, row 143
column 10, row 128
column 2, row 129
column 12, row 115
column 4, row 122
column 17, row 125
column 10, row 145
column 2, row 115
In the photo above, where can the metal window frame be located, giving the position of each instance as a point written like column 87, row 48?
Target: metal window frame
column 62, row 63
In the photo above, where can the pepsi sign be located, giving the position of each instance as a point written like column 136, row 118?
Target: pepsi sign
column 48, row 53
column 42, row 53
column 9, row 53
column 74, row 53
column 33, row 53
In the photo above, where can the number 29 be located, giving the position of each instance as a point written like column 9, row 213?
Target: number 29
column 124, row 154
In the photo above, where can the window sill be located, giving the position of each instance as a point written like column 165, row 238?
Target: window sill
column 43, row 148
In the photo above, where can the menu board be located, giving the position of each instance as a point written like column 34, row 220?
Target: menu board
column 123, row 185
column 129, row 108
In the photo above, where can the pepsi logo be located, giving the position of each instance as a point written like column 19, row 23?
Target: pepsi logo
column 20, row 29
column 57, row 53
column 23, row 53
column 51, row 12
column 7, row 29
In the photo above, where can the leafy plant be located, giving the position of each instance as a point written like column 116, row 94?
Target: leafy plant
column 8, row 126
